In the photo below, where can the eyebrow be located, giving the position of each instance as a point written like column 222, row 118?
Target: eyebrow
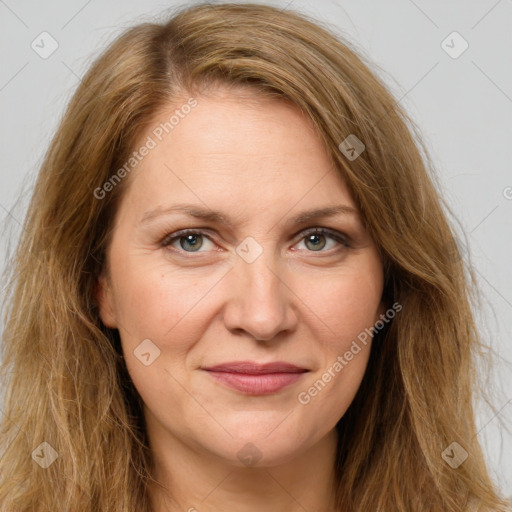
column 214, row 216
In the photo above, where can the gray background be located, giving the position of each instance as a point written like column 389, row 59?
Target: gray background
column 463, row 107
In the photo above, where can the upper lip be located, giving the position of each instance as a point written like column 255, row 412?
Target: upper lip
column 253, row 368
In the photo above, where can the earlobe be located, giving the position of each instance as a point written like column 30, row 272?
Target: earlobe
column 104, row 299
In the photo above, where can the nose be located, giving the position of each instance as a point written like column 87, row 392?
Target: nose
column 261, row 302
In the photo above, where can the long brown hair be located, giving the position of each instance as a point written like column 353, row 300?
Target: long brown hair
column 65, row 378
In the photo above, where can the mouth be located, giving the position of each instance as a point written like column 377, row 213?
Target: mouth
column 256, row 379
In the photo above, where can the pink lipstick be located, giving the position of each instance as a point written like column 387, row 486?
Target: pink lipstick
column 256, row 379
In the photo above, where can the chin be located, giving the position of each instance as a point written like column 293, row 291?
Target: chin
column 266, row 446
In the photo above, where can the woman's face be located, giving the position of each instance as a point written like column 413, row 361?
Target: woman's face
column 253, row 285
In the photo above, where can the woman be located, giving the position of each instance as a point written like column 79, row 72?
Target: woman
column 237, row 289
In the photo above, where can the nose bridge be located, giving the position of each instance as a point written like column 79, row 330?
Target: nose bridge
column 261, row 303
column 261, row 275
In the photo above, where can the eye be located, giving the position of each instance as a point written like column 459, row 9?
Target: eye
column 189, row 240
column 315, row 240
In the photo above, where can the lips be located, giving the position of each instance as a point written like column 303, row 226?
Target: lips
column 256, row 379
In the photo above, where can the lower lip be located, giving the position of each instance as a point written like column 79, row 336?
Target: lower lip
column 263, row 384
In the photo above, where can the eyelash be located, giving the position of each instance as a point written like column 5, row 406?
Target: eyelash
column 335, row 235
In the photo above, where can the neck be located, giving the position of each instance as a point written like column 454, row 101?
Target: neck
column 195, row 481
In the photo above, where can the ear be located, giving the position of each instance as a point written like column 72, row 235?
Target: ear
column 105, row 300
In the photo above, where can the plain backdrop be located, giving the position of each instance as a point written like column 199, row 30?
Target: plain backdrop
column 457, row 88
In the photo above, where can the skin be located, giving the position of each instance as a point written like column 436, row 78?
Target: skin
column 303, row 300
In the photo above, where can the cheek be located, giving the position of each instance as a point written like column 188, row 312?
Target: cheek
column 343, row 305
column 347, row 307
column 154, row 301
column 168, row 309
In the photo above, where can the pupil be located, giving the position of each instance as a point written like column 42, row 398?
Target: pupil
column 189, row 239
column 311, row 237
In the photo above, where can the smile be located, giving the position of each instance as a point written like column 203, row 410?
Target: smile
column 256, row 379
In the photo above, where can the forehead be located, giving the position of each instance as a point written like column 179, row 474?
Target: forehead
column 236, row 149
column 240, row 123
